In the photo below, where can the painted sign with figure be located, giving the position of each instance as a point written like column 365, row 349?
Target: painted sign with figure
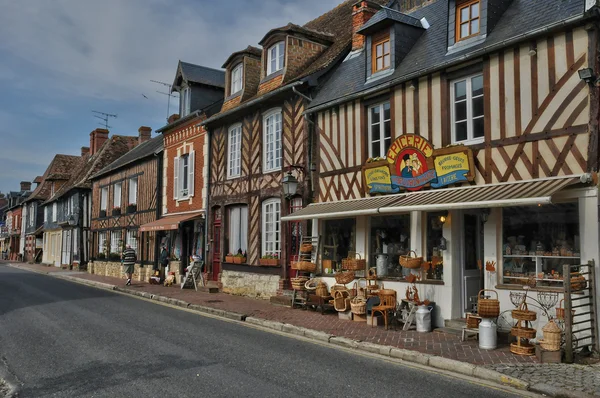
column 412, row 163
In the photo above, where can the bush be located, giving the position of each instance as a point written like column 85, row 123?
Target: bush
column 101, row 256
column 114, row 257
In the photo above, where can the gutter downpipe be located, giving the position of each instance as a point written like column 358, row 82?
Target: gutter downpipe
column 207, row 212
column 159, row 188
column 479, row 52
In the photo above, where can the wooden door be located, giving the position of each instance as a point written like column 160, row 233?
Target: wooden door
column 472, row 254
column 216, row 260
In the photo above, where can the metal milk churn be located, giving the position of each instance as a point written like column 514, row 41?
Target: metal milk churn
column 382, row 264
column 423, row 317
column 487, row 334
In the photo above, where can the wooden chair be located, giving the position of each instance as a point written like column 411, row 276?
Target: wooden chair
column 386, row 305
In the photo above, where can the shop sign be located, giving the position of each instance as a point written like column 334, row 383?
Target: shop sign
column 412, row 164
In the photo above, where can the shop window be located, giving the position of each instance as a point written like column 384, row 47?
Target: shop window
column 339, row 239
column 434, row 246
column 537, row 241
column 389, row 239
column 271, row 227
column 380, row 136
column 238, row 229
column 131, row 239
column 467, row 110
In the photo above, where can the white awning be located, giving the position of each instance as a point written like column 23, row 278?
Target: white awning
column 519, row 193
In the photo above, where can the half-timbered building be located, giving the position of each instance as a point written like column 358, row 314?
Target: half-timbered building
column 14, row 219
column 465, row 133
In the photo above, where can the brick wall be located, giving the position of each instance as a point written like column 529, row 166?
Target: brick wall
column 251, row 77
column 270, row 85
column 361, row 13
column 300, row 53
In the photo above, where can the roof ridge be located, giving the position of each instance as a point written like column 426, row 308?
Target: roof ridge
column 202, row 66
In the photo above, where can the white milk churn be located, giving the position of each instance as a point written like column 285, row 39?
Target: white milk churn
column 382, row 264
column 487, row 334
column 423, row 317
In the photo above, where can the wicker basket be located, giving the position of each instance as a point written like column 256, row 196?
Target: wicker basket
column 560, row 311
column 578, row 281
column 473, row 321
column 355, row 263
column 359, row 288
column 336, row 288
column 306, row 248
column 358, row 305
column 321, row 290
column 523, row 314
column 344, row 277
column 408, row 261
column 488, row 308
column 341, row 302
column 523, row 349
column 552, row 337
column 524, row 333
column 311, row 284
column 304, row 266
column 299, row 283
column 372, row 273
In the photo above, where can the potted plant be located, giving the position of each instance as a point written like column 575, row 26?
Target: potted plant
column 239, row 258
column 131, row 208
column 229, row 258
column 116, row 211
column 271, row 259
column 102, row 213
column 101, row 257
column 114, row 257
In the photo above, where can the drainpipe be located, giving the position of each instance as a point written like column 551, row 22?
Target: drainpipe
column 207, row 161
column 159, row 187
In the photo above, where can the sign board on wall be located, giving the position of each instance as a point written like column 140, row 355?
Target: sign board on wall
column 412, row 163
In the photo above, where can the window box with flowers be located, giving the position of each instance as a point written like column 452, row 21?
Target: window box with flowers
column 102, row 214
column 131, row 208
column 269, row 260
column 116, row 211
column 239, row 259
column 229, row 258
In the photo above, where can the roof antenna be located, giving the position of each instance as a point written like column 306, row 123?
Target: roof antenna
column 104, row 117
column 170, row 86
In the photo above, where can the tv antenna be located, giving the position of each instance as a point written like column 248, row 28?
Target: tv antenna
column 104, row 117
column 169, row 94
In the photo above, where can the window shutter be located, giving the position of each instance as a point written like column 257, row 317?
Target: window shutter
column 191, row 167
column 176, row 178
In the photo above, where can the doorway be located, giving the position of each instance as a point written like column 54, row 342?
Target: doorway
column 66, row 247
column 472, row 271
column 216, row 245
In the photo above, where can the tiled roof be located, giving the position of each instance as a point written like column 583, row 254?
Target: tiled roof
column 430, row 50
column 144, row 150
column 290, row 27
column 61, row 165
column 201, row 74
column 388, row 14
column 250, row 50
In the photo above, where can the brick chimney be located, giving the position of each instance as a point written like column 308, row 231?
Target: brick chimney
column 173, row 118
column 362, row 11
column 25, row 186
column 145, row 133
column 85, row 150
column 97, row 138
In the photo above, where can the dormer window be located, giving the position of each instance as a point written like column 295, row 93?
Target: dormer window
column 275, row 57
column 381, row 52
column 236, row 78
column 467, row 19
column 184, row 100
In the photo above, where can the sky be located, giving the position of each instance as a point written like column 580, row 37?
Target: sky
column 61, row 59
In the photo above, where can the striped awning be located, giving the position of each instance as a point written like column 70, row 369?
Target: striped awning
column 519, row 193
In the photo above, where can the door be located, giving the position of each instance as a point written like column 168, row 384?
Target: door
column 472, row 275
column 66, row 248
column 216, row 246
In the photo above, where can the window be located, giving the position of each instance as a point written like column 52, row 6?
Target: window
column 467, row 110
column 390, row 238
column 71, row 206
column 275, row 57
column 537, row 241
column 45, row 214
column 236, row 78
column 434, row 240
column 234, row 168
column 271, row 232
column 272, row 140
column 133, row 183
column 102, row 243
column 380, row 136
column 467, row 19
column 132, row 239
column 339, row 239
column 54, row 211
column 32, row 215
column 116, row 242
column 184, row 100
column 380, row 52
column 104, row 198
column 52, row 189
column 238, row 229
column 183, row 181
column 117, row 195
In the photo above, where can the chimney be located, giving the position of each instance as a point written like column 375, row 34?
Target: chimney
column 362, row 11
column 85, row 150
column 145, row 133
column 25, row 186
column 97, row 138
column 173, row 118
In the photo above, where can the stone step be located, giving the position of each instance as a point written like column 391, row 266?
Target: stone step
column 209, row 288
column 455, row 323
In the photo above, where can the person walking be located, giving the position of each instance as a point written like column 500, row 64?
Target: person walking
column 129, row 258
column 164, row 258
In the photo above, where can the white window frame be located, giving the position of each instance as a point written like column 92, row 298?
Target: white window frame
column 181, row 169
column 132, row 190
column 272, row 140
column 276, row 53
column 102, row 242
column 131, row 239
column 238, row 228
column 234, row 151
column 54, row 211
column 104, row 198
column 469, row 100
column 115, row 237
column 237, row 78
column 45, row 214
column 271, row 226
column 117, row 194
column 381, row 126
column 71, row 205
column 185, row 96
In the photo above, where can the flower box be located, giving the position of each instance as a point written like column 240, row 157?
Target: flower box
column 239, row 260
column 116, row 211
column 269, row 262
column 229, row 259
column 131, row 208
column 102, row 213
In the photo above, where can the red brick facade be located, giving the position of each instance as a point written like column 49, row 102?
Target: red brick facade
column 270, row 85
column 361, row 13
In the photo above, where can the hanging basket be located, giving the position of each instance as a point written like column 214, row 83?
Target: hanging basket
column 408, row 261
column 344, row 277
column 358, row 306
column 306, row 248
column 304, row 266
column 488, row 308
column 523, row 314
column 560, row 311
column 578, row 281
column 321, row 290
column 341, row 302
column 355, row 263
column 299, row 283
column 552, row 337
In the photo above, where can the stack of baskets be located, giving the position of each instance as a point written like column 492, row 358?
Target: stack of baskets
column 552, row 337
column 488, row 307
column 522, row 331
column 299, row 283
column 354, row 262
column 409, row 261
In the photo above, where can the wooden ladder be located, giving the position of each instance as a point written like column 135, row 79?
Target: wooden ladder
column 300, row 298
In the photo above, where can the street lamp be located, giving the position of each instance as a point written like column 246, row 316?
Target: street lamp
column 290, row 184
column 587, row 75
column 72, row 221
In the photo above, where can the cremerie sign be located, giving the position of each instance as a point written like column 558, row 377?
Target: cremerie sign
column 412, row 163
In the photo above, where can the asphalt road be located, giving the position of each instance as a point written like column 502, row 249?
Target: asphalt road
column 62, row 339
